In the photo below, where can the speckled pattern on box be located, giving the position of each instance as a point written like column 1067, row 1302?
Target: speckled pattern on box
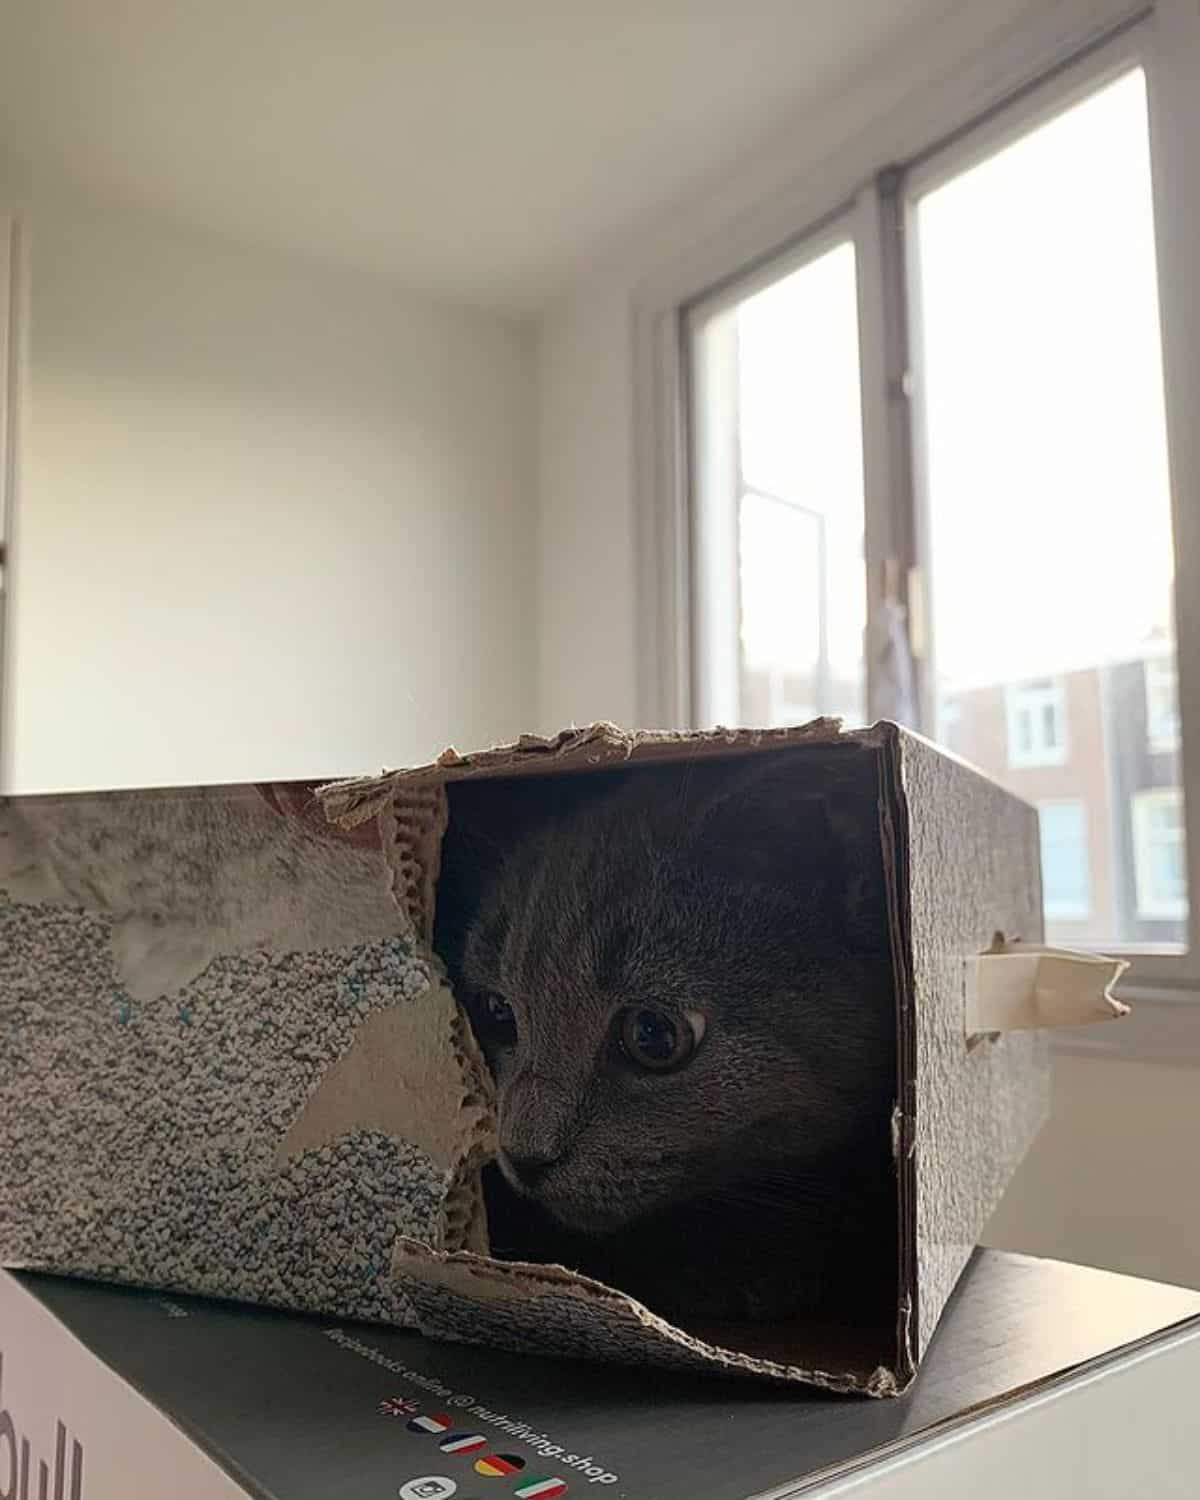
column 973, row 869
column 197, row 1138
column 238, row 1069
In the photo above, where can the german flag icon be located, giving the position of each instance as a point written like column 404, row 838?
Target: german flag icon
column 542, row 1487
column 496, row 1465
column 462, row 1442
column 430, row 1422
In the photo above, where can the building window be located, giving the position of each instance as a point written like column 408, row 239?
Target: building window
column 1162, row 704
column 1036, row 715
column 1160, row 866
column 1066, row 889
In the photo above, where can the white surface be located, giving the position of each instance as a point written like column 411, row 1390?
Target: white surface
column 1124, row 1430
column 129, row 1447
column 587, row 629
column 1111, row 1179
column 273, row 522
column 480, row 149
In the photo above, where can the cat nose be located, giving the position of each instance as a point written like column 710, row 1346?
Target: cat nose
column 529, row 1169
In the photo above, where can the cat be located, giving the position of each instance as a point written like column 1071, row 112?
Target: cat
column 681, row 980
column 184, row 877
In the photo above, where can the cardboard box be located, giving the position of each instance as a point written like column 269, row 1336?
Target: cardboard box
column 1028, row 1385
column 239, row 1070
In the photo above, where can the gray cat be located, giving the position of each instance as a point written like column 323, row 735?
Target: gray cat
column 682, row 984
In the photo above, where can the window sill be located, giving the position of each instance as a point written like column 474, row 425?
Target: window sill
column 1162, row 1027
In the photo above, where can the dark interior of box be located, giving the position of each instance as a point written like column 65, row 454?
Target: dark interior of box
column 840, row 874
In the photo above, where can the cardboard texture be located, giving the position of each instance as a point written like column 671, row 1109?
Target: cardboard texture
column 239, row 1071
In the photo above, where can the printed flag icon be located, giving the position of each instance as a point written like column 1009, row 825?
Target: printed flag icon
column 544, row 1488
column 430, row 1422
column 397, row 1406
column 495, row 1465
column 462, row 1442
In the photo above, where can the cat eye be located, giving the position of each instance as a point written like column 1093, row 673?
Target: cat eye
column 659, row 1040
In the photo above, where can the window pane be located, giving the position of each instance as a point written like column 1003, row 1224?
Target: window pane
column 781, row 370
column 1051, row 557
column 1065, row 883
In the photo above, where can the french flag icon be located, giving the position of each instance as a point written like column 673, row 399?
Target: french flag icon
column 462, row 1442
column 430, row 1422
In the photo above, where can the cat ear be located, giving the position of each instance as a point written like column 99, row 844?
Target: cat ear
column 775, row 822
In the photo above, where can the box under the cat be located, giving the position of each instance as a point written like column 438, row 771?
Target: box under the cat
column 740, row 1064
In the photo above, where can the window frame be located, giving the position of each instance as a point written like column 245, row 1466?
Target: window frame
column 1157, row 45
column 996, row 90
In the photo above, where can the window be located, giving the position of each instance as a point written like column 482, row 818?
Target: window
column 779, row 440
column 1077, row 584
column 1158, row 842
column 1036, row 716
column 930, row 476
column 1162, row 704
column 1065, row 881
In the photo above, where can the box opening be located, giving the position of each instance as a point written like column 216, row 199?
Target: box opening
column 681, row 976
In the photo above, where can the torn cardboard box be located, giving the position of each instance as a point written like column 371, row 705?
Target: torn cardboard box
column 236, row 1066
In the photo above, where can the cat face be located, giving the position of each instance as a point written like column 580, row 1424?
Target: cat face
column 675, row 987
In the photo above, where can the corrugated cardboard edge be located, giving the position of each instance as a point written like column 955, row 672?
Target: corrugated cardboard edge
column 894, row 830
column 349, row 802
column 412, row 806
column 429, row 1032
column 472, row 1282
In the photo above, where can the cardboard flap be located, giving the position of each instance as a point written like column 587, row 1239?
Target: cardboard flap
column 1021, row 986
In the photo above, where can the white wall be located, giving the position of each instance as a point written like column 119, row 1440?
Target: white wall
column 273, row 521
column 587, row 628
column 1112, row 1180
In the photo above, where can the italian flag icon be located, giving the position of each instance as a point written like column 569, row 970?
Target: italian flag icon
column 462, row 1442
column 432, row 1422
column 494, row 1465
column 540, row 1489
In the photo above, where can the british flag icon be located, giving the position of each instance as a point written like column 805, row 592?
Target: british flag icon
column 397, row 1406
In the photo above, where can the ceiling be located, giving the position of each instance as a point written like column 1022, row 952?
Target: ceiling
column 476, row 149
